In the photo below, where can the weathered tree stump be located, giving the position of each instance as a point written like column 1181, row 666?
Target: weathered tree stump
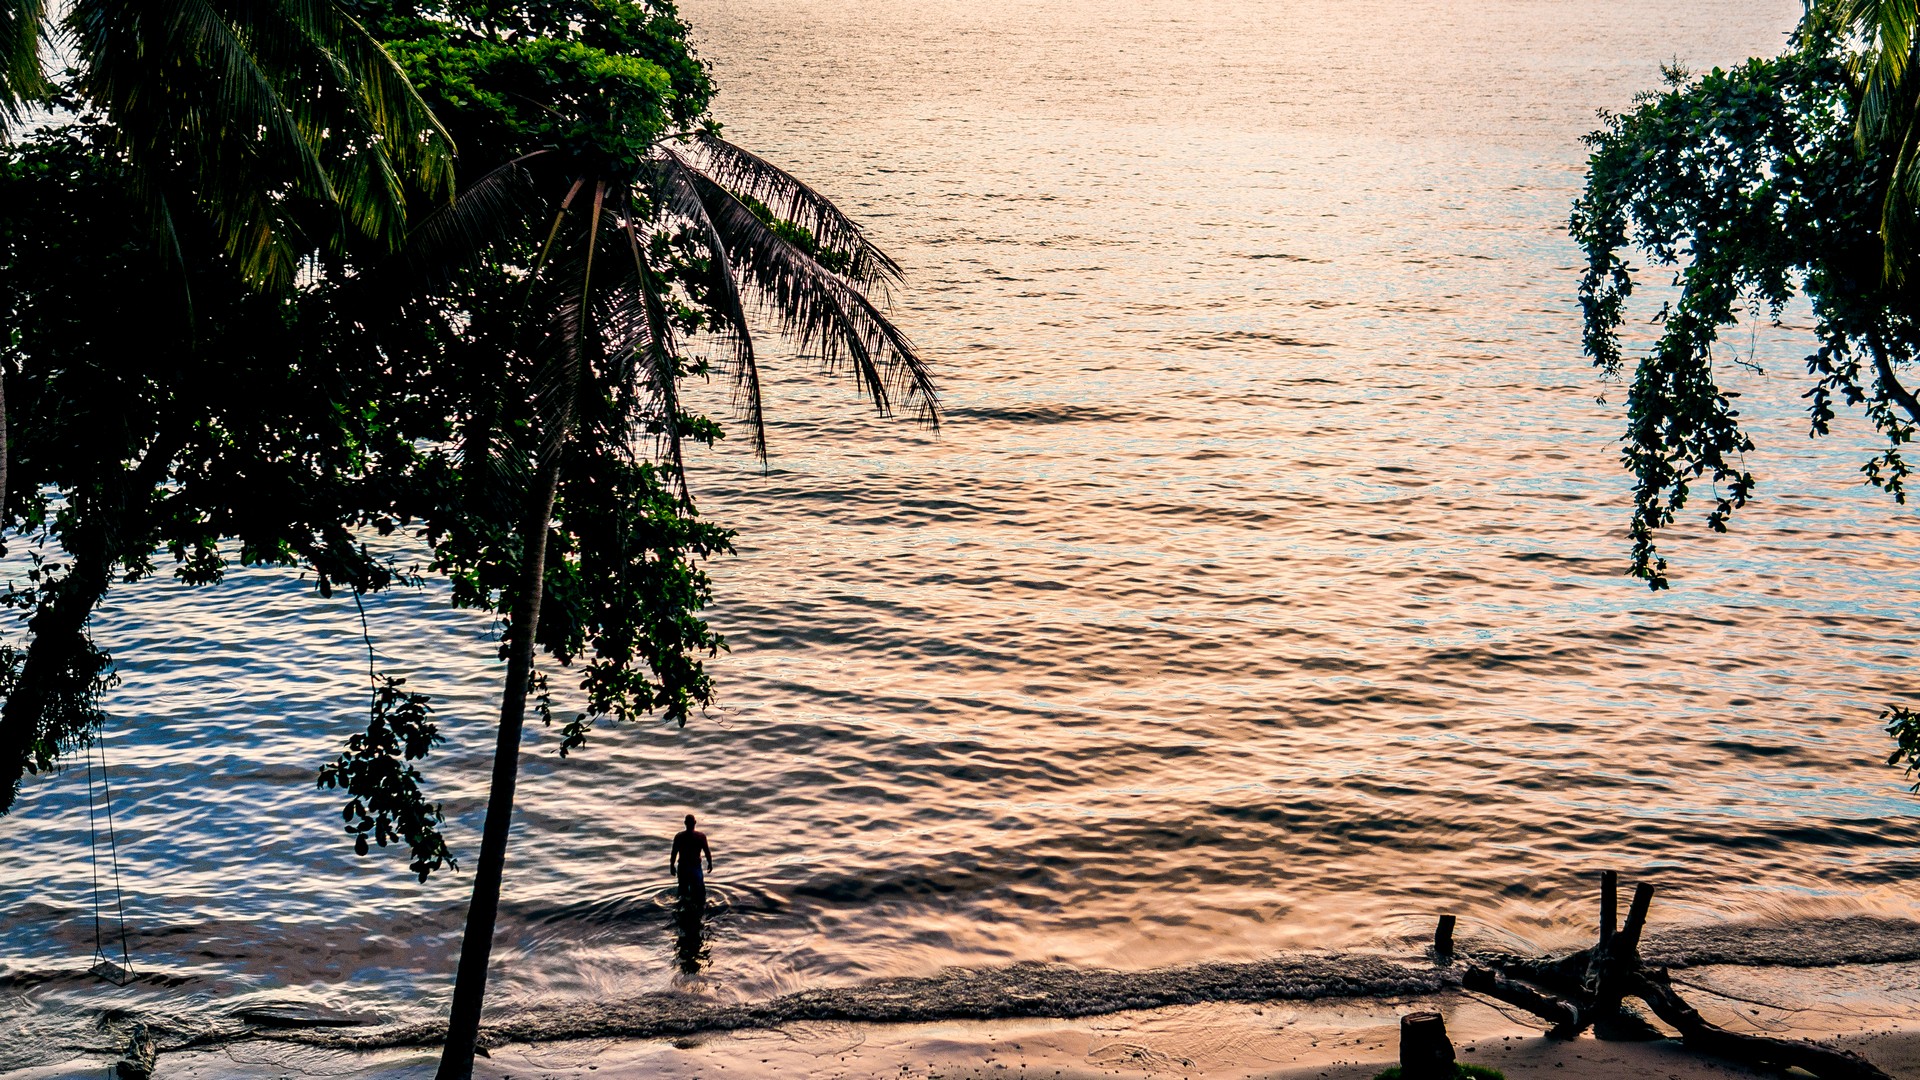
column 1589, row 988
column 1425, row 1051
column 1443, row 939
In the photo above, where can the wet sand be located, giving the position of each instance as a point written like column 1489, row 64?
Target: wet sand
column 1350, row 1040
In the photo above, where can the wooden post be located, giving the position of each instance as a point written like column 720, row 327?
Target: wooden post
column 1636, row 920
column 1425, row 1051
column 1609, row 905
column 1443, row 938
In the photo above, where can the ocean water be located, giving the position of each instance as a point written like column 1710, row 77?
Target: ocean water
column 1260, row 594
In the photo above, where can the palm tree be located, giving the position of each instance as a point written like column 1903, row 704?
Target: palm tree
column 604, row 320
column 1889, row 113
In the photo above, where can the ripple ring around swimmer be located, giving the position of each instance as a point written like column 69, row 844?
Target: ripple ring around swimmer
column 718, row 899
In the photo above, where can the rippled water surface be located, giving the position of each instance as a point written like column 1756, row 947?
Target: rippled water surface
column 1261, row 591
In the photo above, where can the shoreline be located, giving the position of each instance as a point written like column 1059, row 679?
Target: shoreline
column 1765, row 957
column 1139, row 1048
column 1346, row 1039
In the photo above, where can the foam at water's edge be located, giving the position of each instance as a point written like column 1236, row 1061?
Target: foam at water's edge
column 956, row 994
column 1052, row 990
column 1047, row 990
column 1860, row 939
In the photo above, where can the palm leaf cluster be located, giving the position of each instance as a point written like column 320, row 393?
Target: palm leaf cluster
column 284, row 121
column 613, row 312
column 22, row 24
column 1889, row 113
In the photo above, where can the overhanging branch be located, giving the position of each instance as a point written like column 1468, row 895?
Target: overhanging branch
column 1884, row 371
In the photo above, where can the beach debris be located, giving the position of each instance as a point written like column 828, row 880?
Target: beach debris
column 138, row 1062
column 1425, row 1051
column 1590, row 988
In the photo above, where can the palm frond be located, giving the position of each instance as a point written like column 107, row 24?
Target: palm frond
column 372, row 195
column 495, row 208
column 183, row 86
column 639, row 343
column 553, row 234
column 1886, row 28
column 256, row 104
column 354, row 104
column 1901, row 134
column 792, row 199
column 676, row 190
column 570, row 332
column 657, row 354
column 23, row 24
column 558, row 353
column 1889, row 114
column 409, row 134
column 824, row 312
column 593, row 239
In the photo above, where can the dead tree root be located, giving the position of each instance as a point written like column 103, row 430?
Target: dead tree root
column 1588, row 988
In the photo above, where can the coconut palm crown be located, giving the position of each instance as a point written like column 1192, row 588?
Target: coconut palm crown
column 696, row 236
column 283, row 121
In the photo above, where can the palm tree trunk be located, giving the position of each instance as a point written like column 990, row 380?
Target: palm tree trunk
column 470, row 981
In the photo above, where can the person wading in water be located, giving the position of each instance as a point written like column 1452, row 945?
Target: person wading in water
column 689, row 914
column 688, row 847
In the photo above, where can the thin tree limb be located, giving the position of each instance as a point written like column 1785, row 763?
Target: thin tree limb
column 1883, row 370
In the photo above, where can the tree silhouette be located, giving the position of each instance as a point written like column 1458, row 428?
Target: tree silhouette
column 630, row 246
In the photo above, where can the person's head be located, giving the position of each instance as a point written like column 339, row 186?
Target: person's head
column 689, row 822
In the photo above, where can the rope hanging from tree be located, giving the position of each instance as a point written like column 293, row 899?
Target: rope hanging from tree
column 100, row 803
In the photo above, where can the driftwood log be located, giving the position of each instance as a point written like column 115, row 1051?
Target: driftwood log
column 1589, row 988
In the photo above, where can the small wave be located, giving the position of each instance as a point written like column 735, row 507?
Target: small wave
column 1017, row 990
column 1859, row 939
column 25, row 979
column 656, row 902
column 299, row 1014
column 1032, row 990
column 1228, row 338
column 1052, row 413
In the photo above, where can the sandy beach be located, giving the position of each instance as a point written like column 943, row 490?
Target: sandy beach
column 1872, row 1009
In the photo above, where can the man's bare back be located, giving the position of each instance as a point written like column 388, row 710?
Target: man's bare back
column 684, row 861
